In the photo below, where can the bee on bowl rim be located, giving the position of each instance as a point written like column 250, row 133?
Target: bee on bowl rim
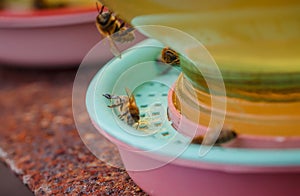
column 170, row 56
column 226, row 135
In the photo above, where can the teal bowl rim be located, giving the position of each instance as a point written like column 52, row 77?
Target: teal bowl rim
column 104, row 118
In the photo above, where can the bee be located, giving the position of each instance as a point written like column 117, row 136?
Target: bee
column 111, row 27
column 126, row 107
column 225, row 136
column 170, row 56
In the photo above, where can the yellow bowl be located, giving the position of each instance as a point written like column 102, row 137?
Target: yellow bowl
column 256, row 46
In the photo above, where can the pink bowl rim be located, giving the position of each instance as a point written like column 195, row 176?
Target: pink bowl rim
column 247, row 141
column 229, row 168
column 47, row 18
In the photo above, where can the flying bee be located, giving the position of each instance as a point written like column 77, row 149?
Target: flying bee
column 114, row 29
column 126, row 107
column 225, row 136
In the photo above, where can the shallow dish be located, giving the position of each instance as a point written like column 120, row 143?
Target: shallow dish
column 58, row 37
column 163, row 159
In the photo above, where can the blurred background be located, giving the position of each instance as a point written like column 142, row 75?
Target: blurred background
column 256, row 45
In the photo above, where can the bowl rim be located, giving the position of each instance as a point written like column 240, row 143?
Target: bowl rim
column 229, row 168
column 247, row 140
column 47, row 18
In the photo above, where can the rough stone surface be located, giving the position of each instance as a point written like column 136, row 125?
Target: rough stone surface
column 40, row 143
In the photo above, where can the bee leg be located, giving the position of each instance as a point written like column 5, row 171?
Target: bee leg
column 138, row 125
column 122, row 115
column 121, row 107
column 121, row 101
column 115, row 105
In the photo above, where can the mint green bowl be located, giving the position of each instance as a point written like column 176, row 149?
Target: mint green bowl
column 164, row 159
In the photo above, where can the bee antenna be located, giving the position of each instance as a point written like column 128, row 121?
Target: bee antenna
column 97, row 6
column 102, row 8
column 107, row 96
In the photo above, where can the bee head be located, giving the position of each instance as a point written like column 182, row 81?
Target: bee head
column 104, row 18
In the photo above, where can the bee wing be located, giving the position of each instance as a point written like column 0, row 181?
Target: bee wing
column 114, row 48
column 130, row 96
column 124, row 35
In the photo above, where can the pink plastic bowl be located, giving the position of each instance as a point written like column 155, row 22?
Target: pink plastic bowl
column 187, row 177
column 47, row 38
column 242, row 141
